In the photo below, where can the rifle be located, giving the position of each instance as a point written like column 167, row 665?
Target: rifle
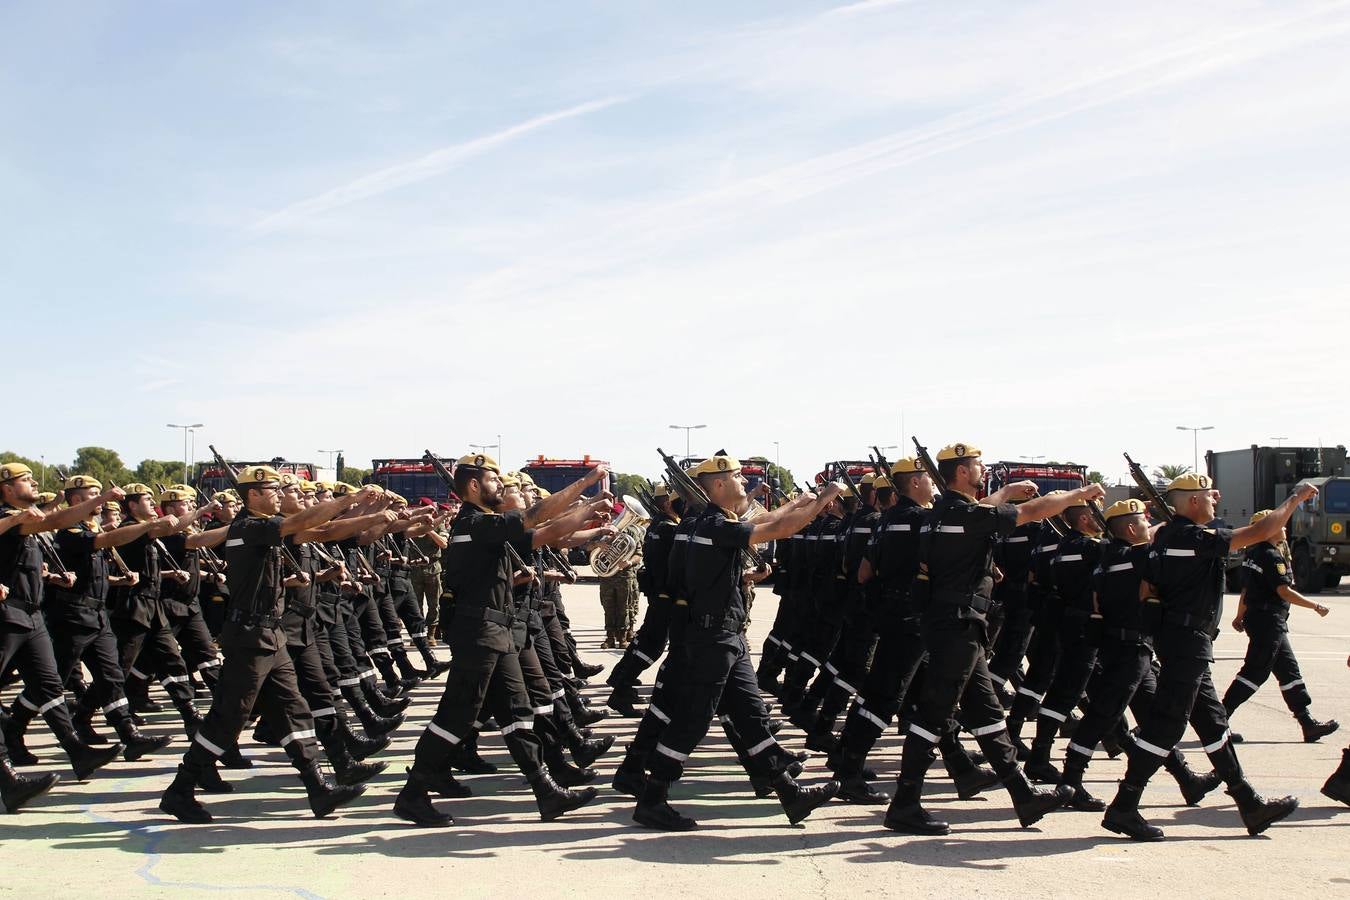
column 449, row 480
column 848, row 480
column 929, row 465
column 1149, row 491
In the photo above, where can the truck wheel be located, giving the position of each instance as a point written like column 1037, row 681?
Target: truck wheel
column 1331, row 579
column 1308, row 578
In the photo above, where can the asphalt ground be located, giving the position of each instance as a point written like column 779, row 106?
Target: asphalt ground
column 106, row 837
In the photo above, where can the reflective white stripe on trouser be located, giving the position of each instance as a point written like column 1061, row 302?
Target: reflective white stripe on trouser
column 210, row 663
column 326, row 711
column 116, row 704
column 761, row 746
column 461, row 539
column 770, row 639
column 1210, row 748
column 642, row 656
column 1079, row 748
column 1051, row 714
column 349, row 682
column 656, row 685
column 543, row 710
column 417, row 634
column 445, row 735
column 724, row 719
column 175, row 679
column 368, row 673
column 845, row 685
column 809, row 658
column 297, row 736
column 559, row 694
column 1291, row 685
column 1173, row 552
column 137, row 673
column 656, row 712
column 982, row 730
column 1028, row 692
column 871, row 717
column 516, row 726
column 673, row 754
column 381, row 650
column 792, row 657
column 1255, row 687
column 1151, row 748
column 50, row 704
column 997, row 679
column 216, row 751
column 235, row 542
column 830, row 669
column 923, row 733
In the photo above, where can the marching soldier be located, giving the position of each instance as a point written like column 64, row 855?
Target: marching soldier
column 1337, row 786
column 257, row 668
column 1188, row 573
column 1263, row 612
column 957, row 579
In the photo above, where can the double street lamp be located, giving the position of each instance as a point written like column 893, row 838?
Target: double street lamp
column 686, row 429
column 1195, row 442
column 188, row 431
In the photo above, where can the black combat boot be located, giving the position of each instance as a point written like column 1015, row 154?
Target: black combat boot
column 588, row 670
column 972, row 782
column 383, row 704
column 554, row 800
column 853, row 785
column 1193, row 786
column 464, row 757
column 209, row 780
column 799, row 802
column 346, row 770
column 1123, row 817
column 630, row 779
column 324, row 796
column 179, row 799
column 86, row 760
column 359, row 747
column 135, row 745
column 1313, row 730
column 1258, row 813
column 654, row 809
column 138, row 692
column 83, row 720
column 1072, row 794
column 411, row 675
column 17, row 789
column 376, row 725
column 1338, row 785
column 1030, row 803
column 414, row 803
column 623, row 700
column 435, row 667
column 906, row 813
column 586, row 751
column 16, row 725
column 233, row 759
column 1038, row 766
column 563, row 771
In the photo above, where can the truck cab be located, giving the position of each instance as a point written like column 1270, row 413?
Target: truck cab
column 1319, row 536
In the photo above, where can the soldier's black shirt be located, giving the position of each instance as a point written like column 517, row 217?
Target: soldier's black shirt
column 894, row 554
column 254, row 572
column 656, row 544
column 679, row 552
column 957, row 550
column 1013, row 558
column 142, row 555
column 1265, row 571
column 21, row 572
column 714, row 564
column 1188, row 570
column 862, row 525
column 89, row 565
column 477, row 569
column 1120, row 570
column 181, row 599
column 1073, row 565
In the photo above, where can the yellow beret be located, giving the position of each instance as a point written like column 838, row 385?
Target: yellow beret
column 323, row 485
column 479, row 461
column 45, row 497
column 12, row 470
column 82, row 481
column 184, row 487
column 259, row 476
column 958, row 451
column 510, row 479
column 869, row 478
column 225, row 496
column 882, row 482
column 1191, row 481
column 173, row 494
column 289, row 479
column 1130, row 507
column 111, row 506
column 398, row 498
column 1260, row 514
column 661, row 490
column 342, row 489
column 525, row 478
column 716, row 465
column 907, row 465
column 307, row 486
column 544, row 493
column 136, row 488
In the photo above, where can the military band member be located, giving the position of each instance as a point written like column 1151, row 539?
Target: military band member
column 1188, row 572
column 956, row 581
column 1263, row 612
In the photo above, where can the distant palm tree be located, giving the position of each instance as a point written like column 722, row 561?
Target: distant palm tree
column 1166, row 472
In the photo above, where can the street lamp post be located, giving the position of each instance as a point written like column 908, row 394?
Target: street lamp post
column 187, row 431
column 1033, row 458
column 1195, row 443
column 1279, row 441
column 496, row 448
column 332, row 456
column 687, row 429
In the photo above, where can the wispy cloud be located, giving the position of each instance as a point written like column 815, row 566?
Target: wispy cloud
column 429, row 166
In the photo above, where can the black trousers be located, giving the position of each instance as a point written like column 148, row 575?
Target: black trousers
column 30, row 651
column 158, row 653
column 1125, row 667
column 481, row 678
column 957, row 676
column 716, row 675
column 97, row 648
column 1012, row 643
column 1042, row 660
column 266, row 679
column 900, row 649
column 407, row 608
column 196, row 644
column 647, row 645
column 1185, row 693
column 1077, row 657
column 1268, row 650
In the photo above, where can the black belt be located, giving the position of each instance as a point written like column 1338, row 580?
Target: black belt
column 1186, row 620
column 1126, row 635
column 252, row 620
column 497, row 617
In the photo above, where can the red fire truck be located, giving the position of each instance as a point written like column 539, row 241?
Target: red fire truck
column 555, row 474
column 1048, row 476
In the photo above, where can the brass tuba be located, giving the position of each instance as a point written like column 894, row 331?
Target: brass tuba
column 610, row 554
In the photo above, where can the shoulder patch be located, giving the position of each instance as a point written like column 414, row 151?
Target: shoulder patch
column 1281, row 568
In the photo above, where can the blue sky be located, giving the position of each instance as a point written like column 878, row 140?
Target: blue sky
column 1044, row 227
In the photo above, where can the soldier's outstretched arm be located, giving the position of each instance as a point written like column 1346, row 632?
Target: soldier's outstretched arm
column 554, row 505
column 1268, row 527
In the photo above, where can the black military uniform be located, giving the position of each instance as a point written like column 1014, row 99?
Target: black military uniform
column 406, row 602
column 822, row 616
column 1266, row 622
column 485, row 639
column 183, row 608
column 956, row 549
column 257, row 669
column 1043, row 648
column 1013, row 558
column 1187, row 564
column 717, row 673
column 1127, row 678
column 650, row 641
column 774, row 657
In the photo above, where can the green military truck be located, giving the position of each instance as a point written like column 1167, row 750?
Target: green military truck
column 1319, row 533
